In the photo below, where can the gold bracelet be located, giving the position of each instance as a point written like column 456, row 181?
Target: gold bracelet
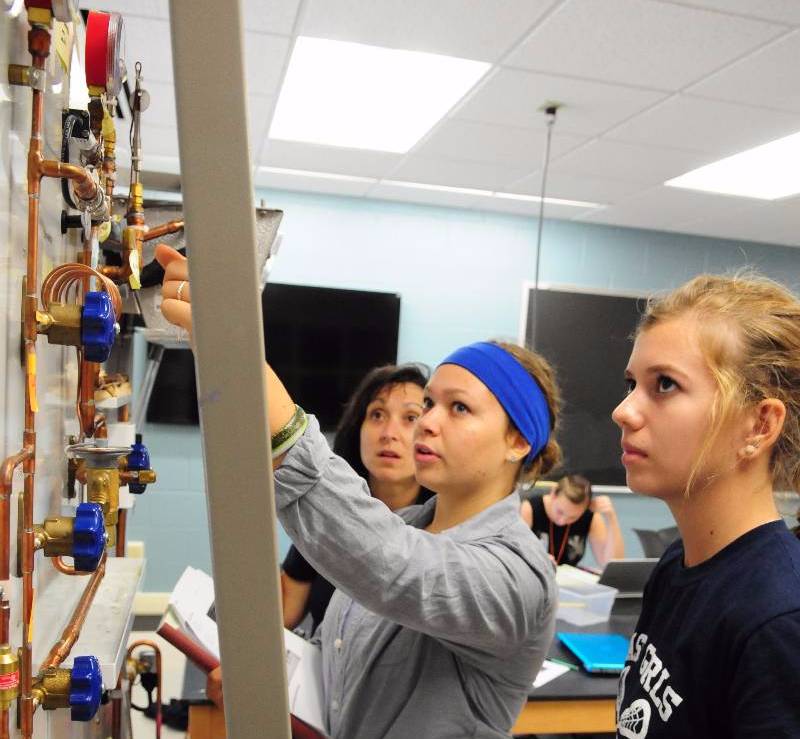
column 287, row 437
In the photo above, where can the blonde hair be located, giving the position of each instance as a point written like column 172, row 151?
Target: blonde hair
column 541, row 371
column 749, row 328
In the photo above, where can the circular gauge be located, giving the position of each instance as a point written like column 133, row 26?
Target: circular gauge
column 105, row 52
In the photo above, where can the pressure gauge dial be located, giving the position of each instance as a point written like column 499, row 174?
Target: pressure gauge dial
column 105, row 52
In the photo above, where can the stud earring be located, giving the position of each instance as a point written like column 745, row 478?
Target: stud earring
column 750, row 450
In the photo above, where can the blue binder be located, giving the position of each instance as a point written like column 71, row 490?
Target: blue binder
column 598, row 653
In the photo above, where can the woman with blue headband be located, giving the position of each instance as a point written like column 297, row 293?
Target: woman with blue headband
column 442, row 615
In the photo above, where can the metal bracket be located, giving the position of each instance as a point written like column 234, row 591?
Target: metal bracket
column 19, row 74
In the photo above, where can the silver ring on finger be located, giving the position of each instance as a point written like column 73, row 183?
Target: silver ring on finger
column 180, row 289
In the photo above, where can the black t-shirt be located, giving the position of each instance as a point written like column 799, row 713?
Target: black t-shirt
column 571, row 552
column 716, row 653
column 296, row 566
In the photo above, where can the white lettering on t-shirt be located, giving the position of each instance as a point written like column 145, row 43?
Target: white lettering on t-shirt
column 633, row 722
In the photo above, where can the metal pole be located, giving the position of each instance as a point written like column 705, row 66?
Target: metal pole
column 207, row 50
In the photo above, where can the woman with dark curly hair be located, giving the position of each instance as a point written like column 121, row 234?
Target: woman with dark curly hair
column 375, row 437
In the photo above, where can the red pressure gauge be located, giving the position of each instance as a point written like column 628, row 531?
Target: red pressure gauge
column 62, row 10
column 105, row 52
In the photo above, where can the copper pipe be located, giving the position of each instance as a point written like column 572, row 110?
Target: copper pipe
column 6, row 479
column 122, row 525
column 85, row 185
column 39, row 47
column 157, row 650
column 5, row 620
column 72, row 631
column 64, row 568
column 164, row 229
column 123, row 414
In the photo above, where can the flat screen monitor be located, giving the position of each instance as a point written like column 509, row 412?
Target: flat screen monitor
column 321, row 341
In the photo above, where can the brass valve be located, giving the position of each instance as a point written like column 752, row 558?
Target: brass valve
column 9, row 676
column 51, row 689
column 102, row 486
column 61, row 323
column 101, row 468
column 83, row 537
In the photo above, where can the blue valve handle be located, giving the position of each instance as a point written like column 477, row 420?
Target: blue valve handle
column 138, row 459
column 86, row 688
column 97, row 326
column 88, row 537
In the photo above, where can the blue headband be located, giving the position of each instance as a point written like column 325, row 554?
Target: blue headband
column 512, row 385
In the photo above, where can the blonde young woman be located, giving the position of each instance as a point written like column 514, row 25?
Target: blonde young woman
column 711, row 425
column 442, row 617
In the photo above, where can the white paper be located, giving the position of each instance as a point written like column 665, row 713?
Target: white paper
column 191, row 603
column 549, row 671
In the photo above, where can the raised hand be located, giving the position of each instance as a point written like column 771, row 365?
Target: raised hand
column 176, row 292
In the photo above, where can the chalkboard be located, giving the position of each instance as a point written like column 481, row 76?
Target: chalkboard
column 588, row 338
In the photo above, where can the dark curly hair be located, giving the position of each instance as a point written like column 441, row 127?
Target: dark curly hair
column 347, row 441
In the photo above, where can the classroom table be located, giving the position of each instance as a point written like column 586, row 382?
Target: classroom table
column 577, row 702
column 573, row 703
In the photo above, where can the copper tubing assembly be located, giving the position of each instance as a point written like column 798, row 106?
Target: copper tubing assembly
column 72, row 630
column 164, row 229
column 87, row 190
column 6, row 478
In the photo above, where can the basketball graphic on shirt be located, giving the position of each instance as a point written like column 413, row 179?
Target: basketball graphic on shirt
column 635, row 720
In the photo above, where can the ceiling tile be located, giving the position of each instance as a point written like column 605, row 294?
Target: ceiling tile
column 454, row 173
column 756, row 222
column 265, row 60
column 668, row 209
column 161, row 111
column 471, row 29
column 514, row 98
column 639, row 43
column 780, row 11
column 630, row 162
column 270, row 16
column 768, row 77
column 573, row 187
column 711, row 126
column 288, row 181
column 384, row 191
column 521, row 148
column 159, row 141
column 147, row 40
column 298, row 155
column 528, row 208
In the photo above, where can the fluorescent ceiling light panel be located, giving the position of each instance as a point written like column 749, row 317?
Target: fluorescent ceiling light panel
column 547, row 200
column 437, row 188
column 339, row 93
column 767, row 172
column 317, row 175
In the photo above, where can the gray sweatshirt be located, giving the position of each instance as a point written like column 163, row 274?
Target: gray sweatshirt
column 429, row 636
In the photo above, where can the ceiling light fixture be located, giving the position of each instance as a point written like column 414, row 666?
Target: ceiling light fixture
column 352, row 95
column 766, row 172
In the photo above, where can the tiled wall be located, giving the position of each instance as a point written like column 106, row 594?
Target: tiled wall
column 459, row 274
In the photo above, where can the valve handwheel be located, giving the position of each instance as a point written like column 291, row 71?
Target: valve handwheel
column 88, row 537
column 86, row 688
column 98, row 326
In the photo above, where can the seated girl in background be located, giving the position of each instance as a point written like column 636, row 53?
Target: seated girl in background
column 568, row 515
column 442, row 617
column 375, row 437
column 710, row 425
